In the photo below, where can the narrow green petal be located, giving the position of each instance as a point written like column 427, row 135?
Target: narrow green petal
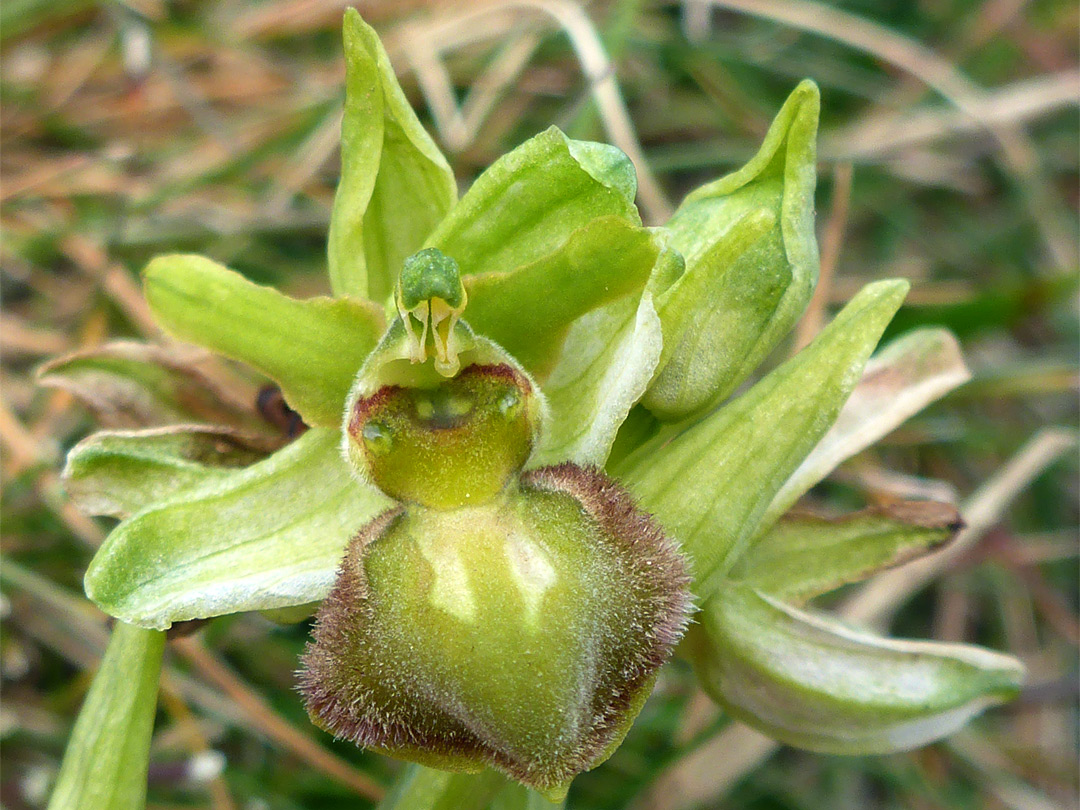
column 395, row 183
column 711, row 483
column 898, row 382
column 117, row 473
column 528, row 309
column 362, row 129
column 607, row 361
column 815, row 683
column 107, row 757
column 751, row 266
column 311, row 348
column 804, row 555
column 268, row 536
column 529, row 202
column 131, row 385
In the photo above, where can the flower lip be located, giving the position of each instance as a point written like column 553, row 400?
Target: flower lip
column 428, row 602
column 365, row 407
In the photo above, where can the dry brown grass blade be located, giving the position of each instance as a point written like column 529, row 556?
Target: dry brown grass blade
column 22, row 449
column 271, row 724
column 220, row 798
column 1019, row 155
column 20, row 338
column 831, row 241
column 91, row 259
column 459, row 125
column 1009, row 791
column 41, row 173
column 315, row 151
column 453, row 30
column 77, row 630
column 1015, row 104
column 876, row 601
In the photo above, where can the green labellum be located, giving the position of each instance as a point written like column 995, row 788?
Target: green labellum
column 523, row 634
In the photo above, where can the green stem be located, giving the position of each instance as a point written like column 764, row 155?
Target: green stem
column 106, row 760
column 519, row 797
column 420, row 788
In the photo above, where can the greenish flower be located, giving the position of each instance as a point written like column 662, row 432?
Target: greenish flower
column 510, row 461
column 494, row 616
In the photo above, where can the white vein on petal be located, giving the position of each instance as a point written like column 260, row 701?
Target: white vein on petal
column 608, row 360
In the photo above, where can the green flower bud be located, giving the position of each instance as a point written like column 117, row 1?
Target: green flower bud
column 751, row 266
column 814, row 682
column 522, row 634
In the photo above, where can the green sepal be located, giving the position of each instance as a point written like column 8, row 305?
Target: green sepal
column 813, row 682
column 528, row 203
column 395, row 183
column 132, row 385
column 899, row 381
column 751, row 266
column 106, row 760
column 803, row 556
column 528, row 309
column 311, row 348
column 710, row 484
column 117, row 473
column 267, row 536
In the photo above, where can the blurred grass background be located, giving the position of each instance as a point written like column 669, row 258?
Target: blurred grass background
column 949, row 155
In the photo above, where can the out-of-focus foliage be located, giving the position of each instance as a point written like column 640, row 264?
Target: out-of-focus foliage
column 137, row 127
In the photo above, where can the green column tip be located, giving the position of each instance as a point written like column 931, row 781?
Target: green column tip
column 428, row 274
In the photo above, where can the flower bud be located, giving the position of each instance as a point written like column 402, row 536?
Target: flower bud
column 751, row 265
column 814, row 682
column 522, row 634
